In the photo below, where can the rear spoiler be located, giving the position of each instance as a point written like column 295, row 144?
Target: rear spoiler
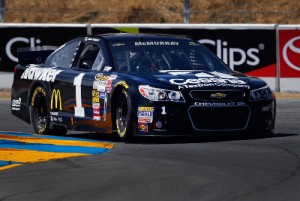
column 34, row 55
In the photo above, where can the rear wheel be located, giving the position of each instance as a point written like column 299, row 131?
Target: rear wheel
column 123, row 116
column 40, row 113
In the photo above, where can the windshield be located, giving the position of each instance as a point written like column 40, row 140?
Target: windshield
column 156, row 55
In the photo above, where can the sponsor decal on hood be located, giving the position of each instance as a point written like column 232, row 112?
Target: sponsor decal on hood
column 210, row 79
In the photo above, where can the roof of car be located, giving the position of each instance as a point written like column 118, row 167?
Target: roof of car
column 139, row 36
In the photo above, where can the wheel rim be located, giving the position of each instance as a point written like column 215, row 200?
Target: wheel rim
column 122, row 117
column 41, row 112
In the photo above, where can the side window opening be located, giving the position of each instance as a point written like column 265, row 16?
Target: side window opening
column 88, row 56
column 99, row 62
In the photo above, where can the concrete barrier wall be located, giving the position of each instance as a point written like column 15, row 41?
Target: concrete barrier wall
column 268, row 51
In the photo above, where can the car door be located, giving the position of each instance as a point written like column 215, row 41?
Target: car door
column 85, row 73
column 92, row 85
column 82, row 88
column 61, row 95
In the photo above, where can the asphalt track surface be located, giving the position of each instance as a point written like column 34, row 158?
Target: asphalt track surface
column 221, row 168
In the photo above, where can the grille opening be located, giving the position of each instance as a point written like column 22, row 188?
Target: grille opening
column 219, row 118
column 208, row 95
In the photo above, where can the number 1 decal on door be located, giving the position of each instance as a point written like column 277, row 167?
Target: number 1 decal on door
column 79, row 110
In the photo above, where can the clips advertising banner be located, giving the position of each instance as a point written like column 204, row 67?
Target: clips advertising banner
column 17, row 36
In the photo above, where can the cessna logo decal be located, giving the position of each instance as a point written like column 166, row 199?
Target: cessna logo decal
column 206, row 80
column 44, row 74
column 210, row 79
column 56, row 100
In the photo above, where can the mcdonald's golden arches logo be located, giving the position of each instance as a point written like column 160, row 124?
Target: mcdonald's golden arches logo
column 56, row 99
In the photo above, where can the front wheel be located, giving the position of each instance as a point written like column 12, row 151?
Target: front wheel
column 124, row 116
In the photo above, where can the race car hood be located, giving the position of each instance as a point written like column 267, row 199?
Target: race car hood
column 185, row 80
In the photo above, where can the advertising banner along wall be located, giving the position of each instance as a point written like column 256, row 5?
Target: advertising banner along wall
column 14, row 36
column 267, row 51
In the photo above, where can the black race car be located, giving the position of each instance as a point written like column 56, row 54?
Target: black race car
column 137, row 84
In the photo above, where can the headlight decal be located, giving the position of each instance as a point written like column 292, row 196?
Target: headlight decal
column 263, row 93
column 157, row 94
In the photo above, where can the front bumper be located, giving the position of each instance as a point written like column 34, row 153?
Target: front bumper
column 178, row 119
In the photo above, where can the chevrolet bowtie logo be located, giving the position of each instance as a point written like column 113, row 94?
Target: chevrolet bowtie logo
column 218, row 95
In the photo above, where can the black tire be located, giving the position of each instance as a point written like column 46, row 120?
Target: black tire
column 40, row 113
column 123, row 118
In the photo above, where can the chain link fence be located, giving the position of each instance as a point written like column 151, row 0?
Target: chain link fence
column 155, row 11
